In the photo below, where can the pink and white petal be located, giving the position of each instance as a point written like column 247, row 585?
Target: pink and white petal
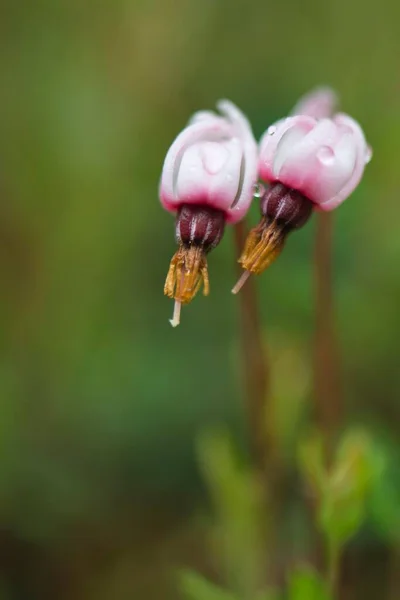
column 193, row 181
column 238, row 119
column 213, row 129
column 338, row 169
column 202, row 116
column 248, row 166
column 227, row 182
column 302, row 164
column 246, row 183
column 320, row 103
column 363, row 154
column 268, row 147
column 209, row 174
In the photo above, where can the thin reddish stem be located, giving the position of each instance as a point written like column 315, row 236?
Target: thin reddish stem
column 253, row 357
column 328, row 406
column 327, row 396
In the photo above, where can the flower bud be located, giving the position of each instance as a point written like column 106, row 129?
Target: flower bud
column 207, row 180
column 310, row 164
column 323, row 160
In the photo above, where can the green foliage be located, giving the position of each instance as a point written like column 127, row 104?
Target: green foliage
column 343, row 502
column 341, row 489
column 311, row 456
column 307, row 584
column 196, row 587
column 268, row 595
column 287, row 405
column 384, row 505
column 240, row 518
column 100, row 399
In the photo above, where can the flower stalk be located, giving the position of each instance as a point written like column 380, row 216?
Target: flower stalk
column 254, row 360
column 328, row 404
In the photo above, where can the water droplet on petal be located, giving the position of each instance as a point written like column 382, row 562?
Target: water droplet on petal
column 326, row 155
column 271, row 130
column 368, row 154
column 258, row 190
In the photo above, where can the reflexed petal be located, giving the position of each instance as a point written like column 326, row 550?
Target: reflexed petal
column 320, row 103
column 248, row 166
column 210, row 173
column 212, row 130
column 298, row 126
column 305, row 160
column 363, row 156
column 324, row 160
column 196, row 170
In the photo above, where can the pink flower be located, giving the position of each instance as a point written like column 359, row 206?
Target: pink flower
column 207, row 180
column 320, row 103
column 312, row 160
column 323, row 160
column 212, row 162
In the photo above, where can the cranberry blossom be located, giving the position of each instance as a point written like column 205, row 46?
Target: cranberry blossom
column 320, row 103
column 207, row 180
column 310, row 164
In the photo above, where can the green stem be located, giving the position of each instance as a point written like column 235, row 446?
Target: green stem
column 333, row 568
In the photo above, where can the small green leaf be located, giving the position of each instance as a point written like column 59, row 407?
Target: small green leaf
column 307, row 584
column 342, row 507
column 195, row 587
column 287, row 403
column 240, row 528
column 311, row 457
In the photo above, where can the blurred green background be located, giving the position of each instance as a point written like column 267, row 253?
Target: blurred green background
column 101, row 400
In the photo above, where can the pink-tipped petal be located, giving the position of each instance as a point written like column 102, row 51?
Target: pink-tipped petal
column 298, row 126
column 202, row 116
column 301, row 162
column 322, row 159
column 248, row 165
column 212, row 162
column 207, row 129
column 363, row 154
column 320, row 103
column 209, row 172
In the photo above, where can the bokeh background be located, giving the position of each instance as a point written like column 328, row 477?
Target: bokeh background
column 101, row 400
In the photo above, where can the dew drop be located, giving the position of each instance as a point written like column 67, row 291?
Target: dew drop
column 368, row 154
column 326, row 155
column 258, row 190
column 271, row 130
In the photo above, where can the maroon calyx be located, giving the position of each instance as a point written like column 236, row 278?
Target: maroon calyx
column 286, row 207
column 198, row 230
column 198, row 225
column 283, row 210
